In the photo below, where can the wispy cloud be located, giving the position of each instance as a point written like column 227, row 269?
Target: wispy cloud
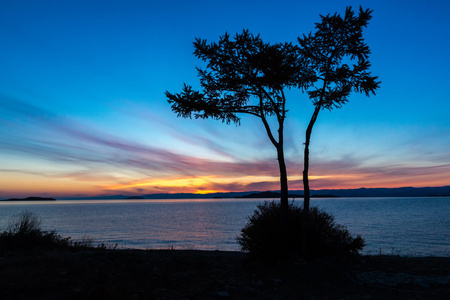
column 114, row 163
column 90, row 149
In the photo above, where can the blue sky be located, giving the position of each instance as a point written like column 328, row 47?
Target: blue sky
column 83, row 111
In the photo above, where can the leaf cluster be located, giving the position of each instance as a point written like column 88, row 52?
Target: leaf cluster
column 338, row 42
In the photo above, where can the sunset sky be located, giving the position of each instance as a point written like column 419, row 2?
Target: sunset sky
column 83, row 110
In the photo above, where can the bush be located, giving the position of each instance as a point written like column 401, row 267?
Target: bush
column 24, row 232
column 263, row 236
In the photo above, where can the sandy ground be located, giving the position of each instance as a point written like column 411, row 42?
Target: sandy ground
column 184, row 274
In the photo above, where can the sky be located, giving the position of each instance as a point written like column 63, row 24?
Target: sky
column 83, row 110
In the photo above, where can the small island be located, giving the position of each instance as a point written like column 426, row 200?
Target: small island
column 31, row 199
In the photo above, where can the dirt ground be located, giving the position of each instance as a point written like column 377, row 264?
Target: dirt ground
column 185, row 274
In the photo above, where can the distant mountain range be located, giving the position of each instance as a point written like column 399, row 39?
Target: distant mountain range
column 361, row 192
column 270, row 194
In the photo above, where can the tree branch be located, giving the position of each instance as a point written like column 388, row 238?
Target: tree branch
column 266, row 124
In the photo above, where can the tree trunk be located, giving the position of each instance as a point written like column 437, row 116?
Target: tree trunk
column 307, row 197
column 284, row 204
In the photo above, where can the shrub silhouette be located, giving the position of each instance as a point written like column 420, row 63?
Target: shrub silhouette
column 263, row 236
column 23, row 232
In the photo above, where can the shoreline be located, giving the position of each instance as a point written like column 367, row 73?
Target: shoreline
column 199, row 274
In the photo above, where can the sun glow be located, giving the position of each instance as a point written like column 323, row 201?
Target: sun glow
column 199, row 185
column 206, row 191
column 169, row 182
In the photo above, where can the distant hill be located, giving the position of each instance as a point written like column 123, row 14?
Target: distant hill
column 165, row 196
column 134, row 198
column 387, row 192
column 268, row 194
column 361, row 192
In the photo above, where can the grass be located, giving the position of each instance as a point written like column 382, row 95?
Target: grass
column 24, row 232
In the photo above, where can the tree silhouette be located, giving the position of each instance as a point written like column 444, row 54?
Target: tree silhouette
column 245, row 75
column 337, row 42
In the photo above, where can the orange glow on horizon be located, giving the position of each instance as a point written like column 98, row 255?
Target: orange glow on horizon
column 207, row 191
column 24, row 185
column 174, row 182
column 200, row 185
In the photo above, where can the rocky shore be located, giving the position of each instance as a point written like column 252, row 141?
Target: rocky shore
column 188, row 274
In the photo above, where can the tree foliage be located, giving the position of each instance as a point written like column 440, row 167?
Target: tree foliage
column 243, row 75
column 337, row 43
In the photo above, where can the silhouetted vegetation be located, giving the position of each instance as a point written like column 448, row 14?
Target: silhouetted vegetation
column 23, row 232
column 246, row 75
column 337, row 42
column 263, row 237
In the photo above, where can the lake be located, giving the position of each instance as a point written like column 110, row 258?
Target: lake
column 398, row 226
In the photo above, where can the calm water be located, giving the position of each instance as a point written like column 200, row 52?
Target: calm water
column 400, row 226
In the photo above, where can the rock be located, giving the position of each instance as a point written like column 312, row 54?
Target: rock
column 223, row 294
column 249, row 290
column 277, row 281
column 424, row 285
